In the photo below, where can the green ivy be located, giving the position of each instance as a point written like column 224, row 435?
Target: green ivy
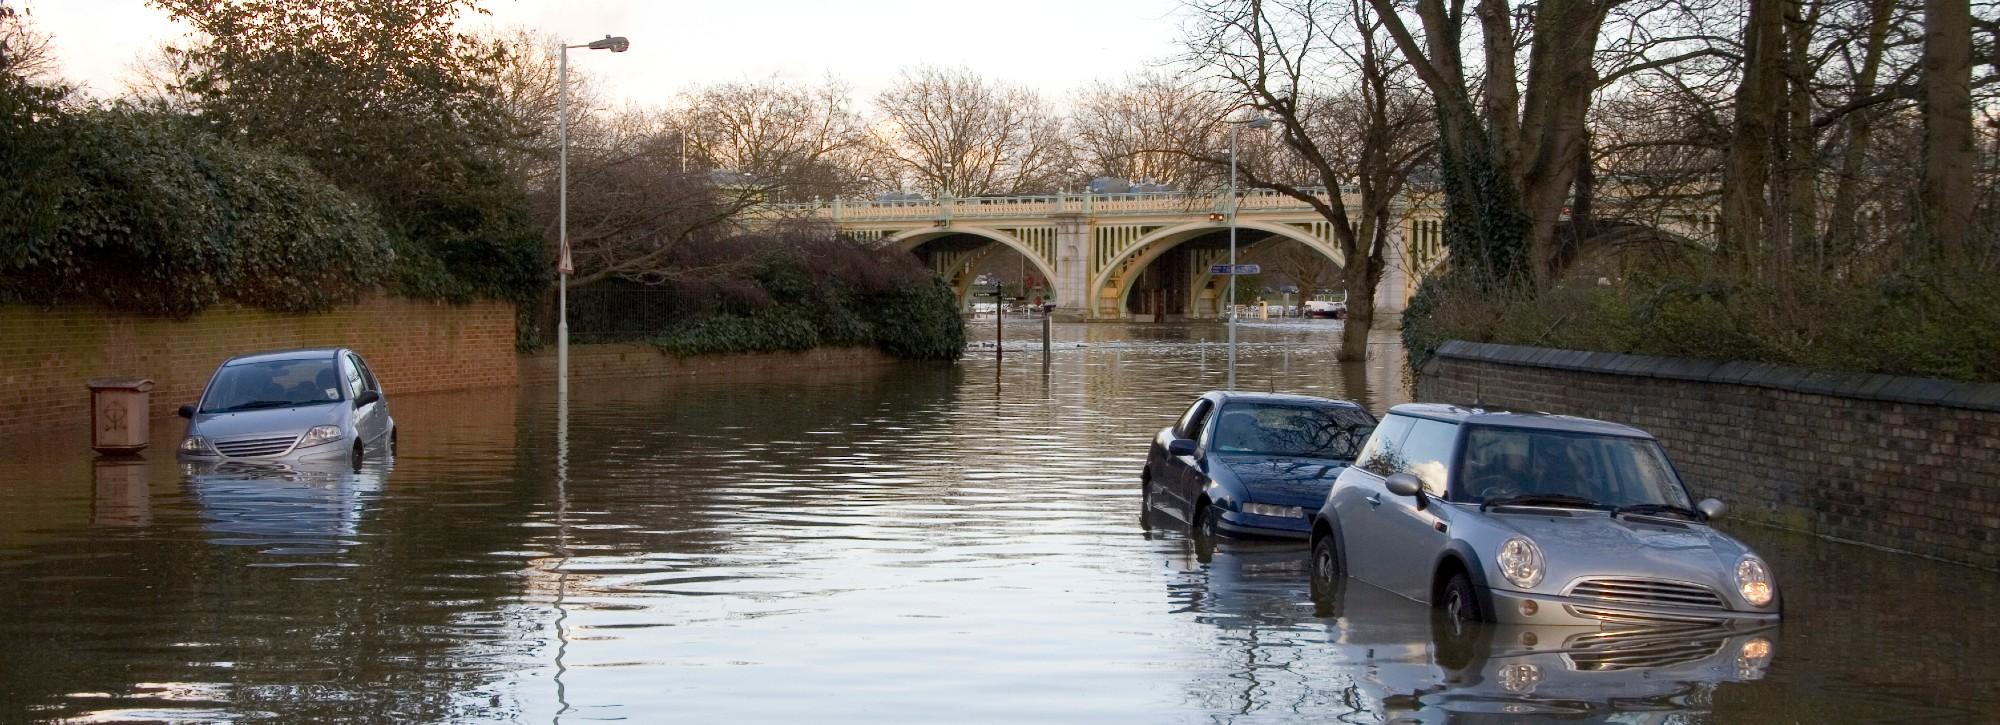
column 917, row 321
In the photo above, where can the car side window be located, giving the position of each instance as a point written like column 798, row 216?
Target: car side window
column 1427, row 453
column 1196, row 421
column 367, row 376
column 353, row 373
column 1383, row 453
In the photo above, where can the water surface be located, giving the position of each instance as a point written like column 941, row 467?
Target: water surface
column 921, row 543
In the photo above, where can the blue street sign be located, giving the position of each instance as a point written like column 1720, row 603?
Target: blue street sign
column 1238, row 269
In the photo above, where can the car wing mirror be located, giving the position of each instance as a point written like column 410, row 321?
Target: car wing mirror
column 366, row 397
column 1404, row 484
column 1711, row 508
column 1180, row 447
column 186, row 411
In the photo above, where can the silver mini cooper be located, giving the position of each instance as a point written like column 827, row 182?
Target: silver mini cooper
column 1534, row 519
column 290, row 405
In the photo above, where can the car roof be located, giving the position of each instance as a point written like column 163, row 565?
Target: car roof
column 306, row 353
column 1228, row 396
column 1513, row 419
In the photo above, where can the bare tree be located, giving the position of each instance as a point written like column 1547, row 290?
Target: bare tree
column 953, row 131
column 1278, row 59
column 25, row 51
column 794, row 142
column 1117, row 125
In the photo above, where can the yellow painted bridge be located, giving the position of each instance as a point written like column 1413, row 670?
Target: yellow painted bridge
column 1096, row 249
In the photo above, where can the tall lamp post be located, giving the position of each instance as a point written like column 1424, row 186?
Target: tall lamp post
column 1258, row 122
column 563, row 266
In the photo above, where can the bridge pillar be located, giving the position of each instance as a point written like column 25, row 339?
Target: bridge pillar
column 1392, row 294
column 1073, row 294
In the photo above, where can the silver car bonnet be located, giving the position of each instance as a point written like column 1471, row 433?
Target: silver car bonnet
column 1593, row 543
column 268, row 421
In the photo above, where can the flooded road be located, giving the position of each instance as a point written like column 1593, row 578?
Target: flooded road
column 910, row 544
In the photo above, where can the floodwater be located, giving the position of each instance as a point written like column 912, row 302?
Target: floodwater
column 923, row 543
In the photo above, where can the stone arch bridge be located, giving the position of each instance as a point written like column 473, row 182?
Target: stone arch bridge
column 1095, row 249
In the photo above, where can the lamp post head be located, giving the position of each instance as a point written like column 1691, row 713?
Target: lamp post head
column 1257, row 122
column 616, row 44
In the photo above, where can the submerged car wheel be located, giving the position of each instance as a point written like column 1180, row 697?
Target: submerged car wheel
column 1326, row 578
column 1202, row 531
column 1145, row 503
column 359, row 453
column 1325, row 562
column 1458, row 601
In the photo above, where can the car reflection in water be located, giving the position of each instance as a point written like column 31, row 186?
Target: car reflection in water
column 297, row 508
column 1359, row 648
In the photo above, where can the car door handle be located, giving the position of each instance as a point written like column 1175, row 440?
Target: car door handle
column 1374, row 499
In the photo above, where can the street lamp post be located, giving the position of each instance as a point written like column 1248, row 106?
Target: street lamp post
column 563, row 265
column 1256, row 122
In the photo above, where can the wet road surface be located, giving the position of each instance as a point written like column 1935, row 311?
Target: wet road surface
column 920, row 543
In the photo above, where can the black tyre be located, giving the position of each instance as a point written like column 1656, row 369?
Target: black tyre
column 1145, row 503
column 1457, row 600
column 359, row 453
column 1326, row 578
column 392, row 441
column 1458, row 628
column 1203, row 532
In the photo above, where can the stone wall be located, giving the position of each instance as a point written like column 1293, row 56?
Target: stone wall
column 1904, row 463
column 413, row 346
column 633, row 360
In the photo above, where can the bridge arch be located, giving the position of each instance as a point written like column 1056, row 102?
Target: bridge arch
column 961, row 285
column 909, row 242
column 1142, row 252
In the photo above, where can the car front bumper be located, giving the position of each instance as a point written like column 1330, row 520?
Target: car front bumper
column 1243, row 525
column 1510, row 607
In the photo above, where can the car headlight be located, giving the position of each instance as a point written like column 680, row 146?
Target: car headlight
column 1283, row 512
column 195, row 444
column 1754, row 582
column 320, row 435
column 1521, row 562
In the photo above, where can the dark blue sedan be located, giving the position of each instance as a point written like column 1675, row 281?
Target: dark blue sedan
column 1251, row 464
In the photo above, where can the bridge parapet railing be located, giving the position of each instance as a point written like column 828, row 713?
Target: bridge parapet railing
column 977, row 207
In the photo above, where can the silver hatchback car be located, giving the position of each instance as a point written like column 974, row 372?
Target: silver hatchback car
column 1534, row 519
column 290, row 405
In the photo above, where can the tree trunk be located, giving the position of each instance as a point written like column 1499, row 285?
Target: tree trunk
column 1946, row 191
column 1801, row 172
column 1747, row 171
column 1361, row 281
column 1841, row 226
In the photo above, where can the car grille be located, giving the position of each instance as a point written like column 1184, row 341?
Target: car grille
column 1627, row 656
column 1648, row 592
column 1641, row 619
column 254, row 447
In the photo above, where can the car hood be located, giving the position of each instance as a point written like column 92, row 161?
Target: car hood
column 1288, row 480
column 269, row 421
column 1592, row 543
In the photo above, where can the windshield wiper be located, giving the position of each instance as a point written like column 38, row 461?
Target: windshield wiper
column 256, row 405
column 1657, row 508
column 1542, row 499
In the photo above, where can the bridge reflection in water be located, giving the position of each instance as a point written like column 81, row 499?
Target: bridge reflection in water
column 922, row 543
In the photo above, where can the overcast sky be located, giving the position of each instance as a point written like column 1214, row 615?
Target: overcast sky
column 1051, row 45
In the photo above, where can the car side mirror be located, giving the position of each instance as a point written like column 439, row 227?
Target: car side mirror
column 1180, row 447
column 186, row 411
column 1711, row 508
column 1403, row 484
column 366, row 397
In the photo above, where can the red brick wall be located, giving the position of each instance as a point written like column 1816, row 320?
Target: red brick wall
column 1902, row 463
column 413, row 346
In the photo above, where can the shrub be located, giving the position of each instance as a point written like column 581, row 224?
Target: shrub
column 152, row 215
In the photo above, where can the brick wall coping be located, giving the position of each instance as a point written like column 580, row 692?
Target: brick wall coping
column 1865, row 386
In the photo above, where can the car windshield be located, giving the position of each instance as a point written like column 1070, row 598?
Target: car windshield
column 1502, row 463
column 274, row 384
column 1313, row 431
